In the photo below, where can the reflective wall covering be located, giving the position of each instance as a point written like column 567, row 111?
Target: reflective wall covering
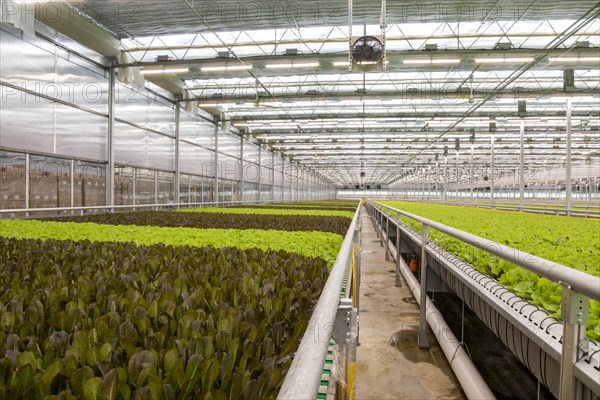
column 52, row 100
column 54, row 138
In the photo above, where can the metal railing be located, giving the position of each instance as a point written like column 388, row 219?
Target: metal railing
column 582, row 210
column 332, row 318
column 578, row 287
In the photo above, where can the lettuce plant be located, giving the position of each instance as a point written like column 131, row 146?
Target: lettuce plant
column 311, row 244
column 271, row 211
column 574, row 242
column 337, row 225
column 92, row 320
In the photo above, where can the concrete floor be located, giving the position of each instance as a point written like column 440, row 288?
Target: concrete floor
column 389, row 363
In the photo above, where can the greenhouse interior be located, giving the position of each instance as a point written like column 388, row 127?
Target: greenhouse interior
column 300, row 200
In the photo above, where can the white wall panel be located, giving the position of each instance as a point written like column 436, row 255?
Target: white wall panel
column 82, row 83
column 161, row 152
column 196, row 160
column 229, row 167
column 229, row 144
column 27, row 125
column 80, row 134
column 131, row 144
column 143, row 109
column 250, row 152
column 25, row 64
column 196, row 131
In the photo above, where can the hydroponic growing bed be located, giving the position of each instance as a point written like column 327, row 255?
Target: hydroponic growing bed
column 574, row 242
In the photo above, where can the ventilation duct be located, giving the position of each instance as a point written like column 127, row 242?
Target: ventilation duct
column 129, row 75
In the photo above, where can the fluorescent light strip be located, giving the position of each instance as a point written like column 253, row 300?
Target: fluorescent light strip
column 227, row 68
column 573, row 96
column 504, row 60
column 295, row 65
column 164, row 71
column 215, row 104
column 341, row 64
column 434, row 61
column 574, row 59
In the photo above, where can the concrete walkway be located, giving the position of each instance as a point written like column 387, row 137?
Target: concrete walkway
column 389, row 364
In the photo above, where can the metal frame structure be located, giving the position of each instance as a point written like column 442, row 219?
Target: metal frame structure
column 335, row 317
column 569, row 358
column 445, row 99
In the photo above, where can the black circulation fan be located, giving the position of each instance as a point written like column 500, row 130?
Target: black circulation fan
column 367, row 50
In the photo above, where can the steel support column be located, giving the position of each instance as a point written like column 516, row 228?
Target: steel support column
column 522, row 167
column 177, row 152
column 568, row 177
column 72, row 182
column 283, row 178
column 398, row 257
column 445, row 179
column 110, row 145
column 574, row 312
column 215, row 198
column 272, row 176
column 242, row 168
column 471, row 172
column 133, row 196
column 492, row 174
column 156, row 188
column 27, row 182
column 259, row 172
column 423, row 343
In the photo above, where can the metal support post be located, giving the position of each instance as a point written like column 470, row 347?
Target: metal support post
column 381, row 228
column 272, row 176
column 568, row 159
column 259, row 172
column 110, row 146
column 216, row 167
column 356, row 268
column 156, row 189
column 445, row 193
column 375, row 219
column 283, row 178
column 177, row 153
column 422, row 341
column 27, row 182
column 457, row 169
column 471, row 173
column 522, row 168
column 492, row 178
column 386, row 236
column 242, row 168
column 398, row 258
column 189, row 189
column 574, row 312
column 133, row 185
column 437, row 177
column 345, row 334
column 72, row 182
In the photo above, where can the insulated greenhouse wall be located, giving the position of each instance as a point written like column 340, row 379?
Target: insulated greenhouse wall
column 51, row 99
column 54, row 130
